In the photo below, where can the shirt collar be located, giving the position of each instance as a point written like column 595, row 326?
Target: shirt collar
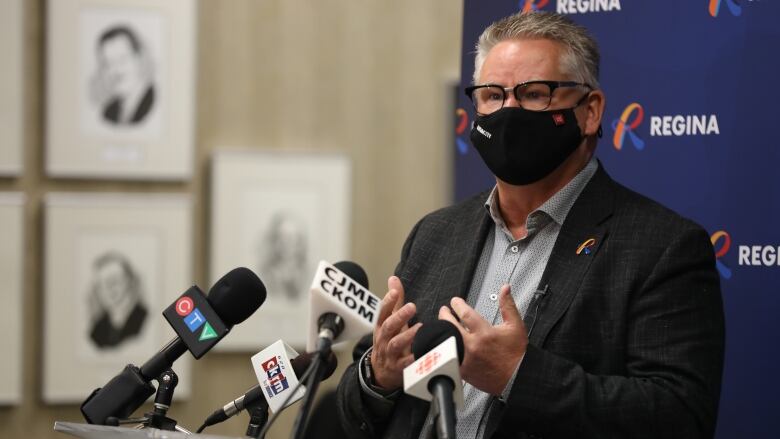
column 557, row 206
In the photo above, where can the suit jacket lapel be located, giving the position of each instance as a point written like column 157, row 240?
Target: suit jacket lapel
column 462, row 258
column 565, row 269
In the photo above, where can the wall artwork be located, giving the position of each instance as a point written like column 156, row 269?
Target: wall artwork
column 11, row 294
column 113, row 262
column 278, row 214
column 120, row 84
column 11, row 87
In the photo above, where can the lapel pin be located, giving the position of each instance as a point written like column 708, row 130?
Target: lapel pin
column 585, row 246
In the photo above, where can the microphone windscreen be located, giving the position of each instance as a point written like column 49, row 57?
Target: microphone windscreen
column 354, row 271
column 432, row 334
column 303, row 361
column 237, row 295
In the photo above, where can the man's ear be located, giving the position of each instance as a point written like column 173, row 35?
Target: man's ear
column 594, row 107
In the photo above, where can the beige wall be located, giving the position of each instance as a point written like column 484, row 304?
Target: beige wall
column 368, row 78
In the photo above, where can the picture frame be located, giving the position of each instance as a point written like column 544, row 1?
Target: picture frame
column 279, row 214
column 120, row 83
column 11, row 296
column 112, row 263
column 11, row 88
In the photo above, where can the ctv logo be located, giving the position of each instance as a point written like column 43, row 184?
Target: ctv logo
column 275, row 382
column 194, row 319
column 532, row 5
column 585, row 6
column 733, row 6
column 429, row 361
column 676, row 125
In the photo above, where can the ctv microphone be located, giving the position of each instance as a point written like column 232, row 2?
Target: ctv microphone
column 340, row 306
column 199, row 322
column 435, row 375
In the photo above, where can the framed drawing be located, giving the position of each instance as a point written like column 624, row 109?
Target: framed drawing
column 112, row 263
column 11, row 87
column 120, row 89
column 11, row 272
column 278, row 214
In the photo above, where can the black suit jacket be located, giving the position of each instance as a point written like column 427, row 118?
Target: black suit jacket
column 628, row 341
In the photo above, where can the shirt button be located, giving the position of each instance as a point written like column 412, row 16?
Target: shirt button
column 514, row 249
column 493, row 297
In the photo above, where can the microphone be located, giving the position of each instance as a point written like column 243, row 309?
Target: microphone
column 255, row 395
column 231, row 300
column 343, row 308
column 340, row 306
column 435, row 375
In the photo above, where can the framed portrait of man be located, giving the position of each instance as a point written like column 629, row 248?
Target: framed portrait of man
column 120, row 89
column 279, row 214
column 113, row 262
column 11, row 272
column 11, row 87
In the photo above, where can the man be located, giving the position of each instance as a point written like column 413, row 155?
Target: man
column 122, row 85
column 586, row 310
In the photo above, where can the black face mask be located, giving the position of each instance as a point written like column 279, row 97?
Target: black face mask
column 521, row 147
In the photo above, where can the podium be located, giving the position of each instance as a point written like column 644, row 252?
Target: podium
column 89, row 431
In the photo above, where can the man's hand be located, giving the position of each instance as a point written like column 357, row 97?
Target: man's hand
column 492, row 353
column 393, row 337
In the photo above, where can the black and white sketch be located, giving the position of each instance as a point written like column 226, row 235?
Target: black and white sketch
column 115, row 301
column 285, row 267
column 120, row 89
column 113, row 263
column 123, row 83
column 280, row 214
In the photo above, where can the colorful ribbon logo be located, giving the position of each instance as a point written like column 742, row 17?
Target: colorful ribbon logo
column 724, row 270
column 734, row 7
column 586, row 246
column 623, row 127
column 460, row 128
column 532, row 5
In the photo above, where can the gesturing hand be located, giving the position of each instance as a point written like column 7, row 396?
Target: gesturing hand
column 492, row 353
column 393, row 337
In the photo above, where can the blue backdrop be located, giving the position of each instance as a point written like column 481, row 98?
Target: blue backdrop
column 693, row 89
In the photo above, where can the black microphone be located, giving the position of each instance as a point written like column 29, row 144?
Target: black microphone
column 233, row 299
column 255, row 394
column 441, row 380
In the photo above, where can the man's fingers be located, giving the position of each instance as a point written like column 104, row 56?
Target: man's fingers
column 446, row 314
column 396, row 322
column 402, row 343
column 394, row 283
column 506, row 303
column 467, row 315
column 388, row 305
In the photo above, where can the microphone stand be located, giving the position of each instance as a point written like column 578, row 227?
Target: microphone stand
column 331, row 325
column 258, row 416
column 157, row 418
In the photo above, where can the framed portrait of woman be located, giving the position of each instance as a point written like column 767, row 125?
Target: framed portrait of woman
column 113, row 262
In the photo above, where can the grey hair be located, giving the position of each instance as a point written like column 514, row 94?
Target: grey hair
column 580, row 57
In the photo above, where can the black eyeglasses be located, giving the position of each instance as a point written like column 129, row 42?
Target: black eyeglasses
column 531, row 95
